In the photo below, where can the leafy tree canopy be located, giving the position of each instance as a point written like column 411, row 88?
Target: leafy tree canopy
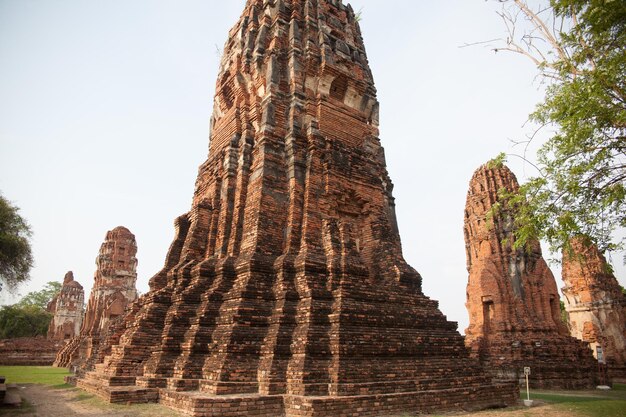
column 23, row 321
column 16, row 258
column 579, row 47
column 43, row 297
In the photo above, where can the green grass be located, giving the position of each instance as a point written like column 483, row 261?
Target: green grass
column 586, row 403
column 596, row 408
column 45, row 375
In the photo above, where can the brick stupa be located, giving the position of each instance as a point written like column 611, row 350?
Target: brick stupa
column 113, row 289
column 595, row 304
column 512, row 298
column 67, row 309
column 285, row 291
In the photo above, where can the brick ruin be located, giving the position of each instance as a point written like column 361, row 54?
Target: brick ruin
column 112, row 291
column 595, row 304
column 28, row 351
column 67, row 309
column 512, row 298
column 285, row 291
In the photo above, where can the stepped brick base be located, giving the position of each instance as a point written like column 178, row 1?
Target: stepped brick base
column 201, row 404
column 119, row 394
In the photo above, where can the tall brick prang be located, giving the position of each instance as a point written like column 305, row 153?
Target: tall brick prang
column 595, row 304
column 67, row 309
column 285, row 291
column 512, row 298
column 112, row 291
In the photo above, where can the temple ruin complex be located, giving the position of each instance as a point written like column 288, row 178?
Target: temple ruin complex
column 512, row 298
column 285, row 291
column 113, row 289
column 67, row 309
column 595, row 304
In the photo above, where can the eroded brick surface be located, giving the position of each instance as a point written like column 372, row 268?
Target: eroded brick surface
column 28, row 351
column 595, row 304
column 67, row 309
column 112, row 291
column 285, row 290
column 512, row 297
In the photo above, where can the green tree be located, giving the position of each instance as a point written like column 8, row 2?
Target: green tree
column 23, row 321
column 43, row 297
column 579, row 47
column 16, row 258
column 564, row 314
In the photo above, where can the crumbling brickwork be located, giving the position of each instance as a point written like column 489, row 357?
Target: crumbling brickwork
column 113, row 289
column 512, row 298
column 595, row 304
column 28, row 351
column 285, row 290
column 67, row 309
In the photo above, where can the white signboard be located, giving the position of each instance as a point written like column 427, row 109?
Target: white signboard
column 600, row 355
column 527, row 370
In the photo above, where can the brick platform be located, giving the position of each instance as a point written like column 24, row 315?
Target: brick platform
column 28, row 351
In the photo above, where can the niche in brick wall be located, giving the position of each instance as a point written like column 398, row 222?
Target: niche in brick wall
column 339, row 87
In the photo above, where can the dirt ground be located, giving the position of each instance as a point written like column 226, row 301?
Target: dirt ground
column 42, row 401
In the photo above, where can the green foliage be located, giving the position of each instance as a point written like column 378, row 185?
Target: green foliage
column 497, row 162
column 43, row 297
column 16, row 258
column 564, row 315
column 358, row 16
column 581, row 188
column 23, row 321
column 28, row 318
column 591, row 404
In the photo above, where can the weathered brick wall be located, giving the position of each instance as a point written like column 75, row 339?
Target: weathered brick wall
column 595, row 304
column 68, row 308
column 28, row 351
column 112, row 291
column 512, row 297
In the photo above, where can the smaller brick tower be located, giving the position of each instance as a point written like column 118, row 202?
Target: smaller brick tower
column 512, row 298
column 113, row 289
column 595, row 304
column 67, row 308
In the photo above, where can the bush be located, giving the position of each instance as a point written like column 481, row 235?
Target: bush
column 23, row 321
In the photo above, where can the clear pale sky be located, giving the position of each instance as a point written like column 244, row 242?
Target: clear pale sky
column 105, row 106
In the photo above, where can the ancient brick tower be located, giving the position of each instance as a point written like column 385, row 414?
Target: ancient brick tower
column 67, row 309
column 512, row 298
column 113, row 289
column 285, row 290
column 595, row 304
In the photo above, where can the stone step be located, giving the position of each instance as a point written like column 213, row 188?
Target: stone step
column 12, row 399
column 120, row 395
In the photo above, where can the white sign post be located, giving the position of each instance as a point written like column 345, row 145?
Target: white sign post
column 600, row 355
column 601, row 368
column 527, row 401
